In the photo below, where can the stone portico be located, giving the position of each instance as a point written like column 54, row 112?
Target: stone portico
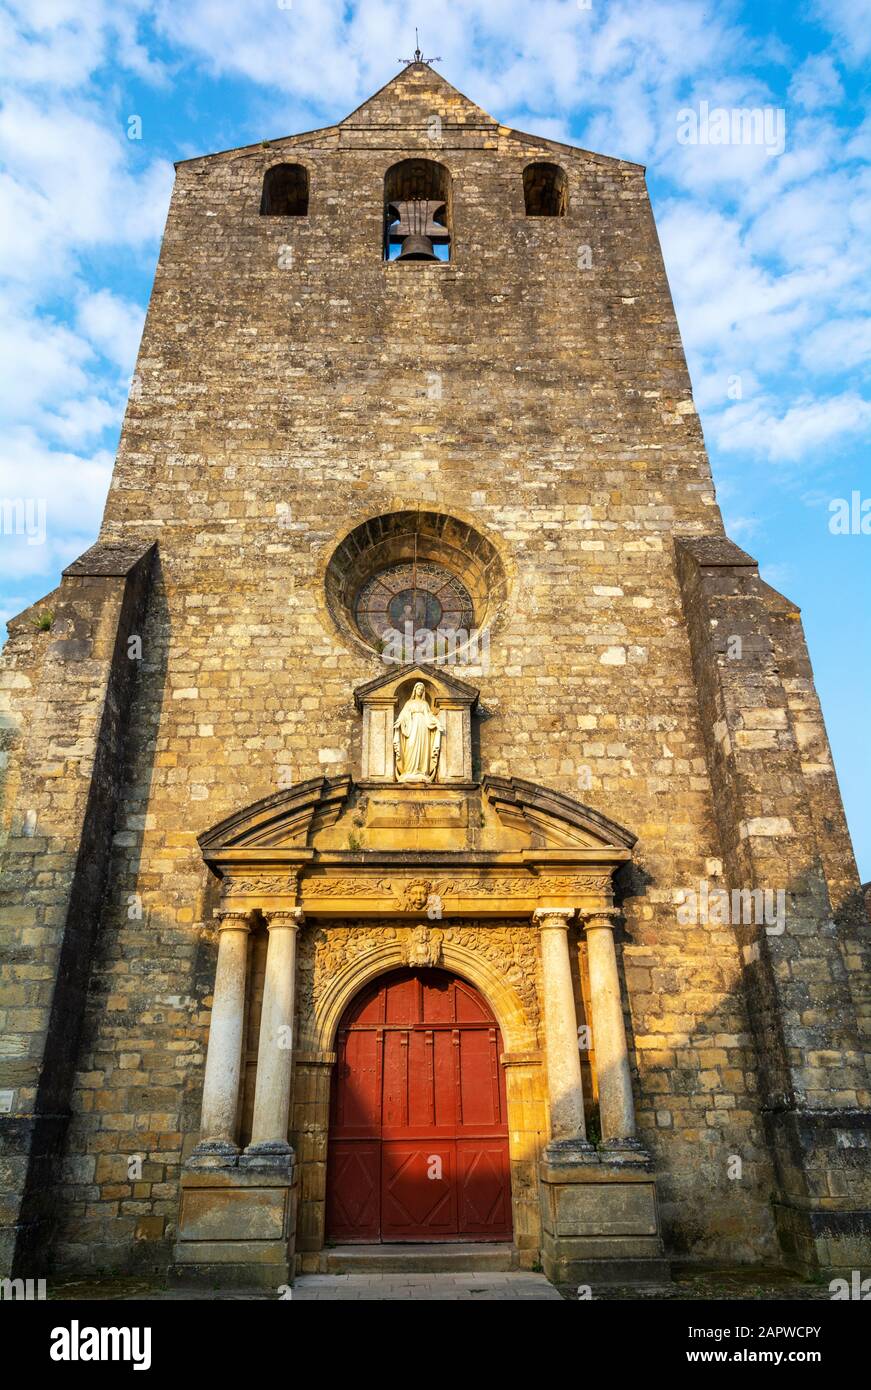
column 507, row 885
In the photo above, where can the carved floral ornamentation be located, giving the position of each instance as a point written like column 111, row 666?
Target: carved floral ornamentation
column 412, row 895
column 266, row 885
column 346, row 887
column 508, row 945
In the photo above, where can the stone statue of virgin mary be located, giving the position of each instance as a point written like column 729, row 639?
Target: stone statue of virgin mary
column 417, row 738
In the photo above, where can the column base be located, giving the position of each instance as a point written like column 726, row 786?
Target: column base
column 213, row 1153
column 273, row 1156
column 600, row 1223
column 562, row 1152
column 624, row 1152
column 237, row 1227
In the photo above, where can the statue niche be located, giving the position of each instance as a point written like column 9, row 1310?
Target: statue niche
column 417, row 738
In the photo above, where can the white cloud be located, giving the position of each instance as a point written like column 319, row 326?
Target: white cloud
column 816, row 83
column 838, row 345
column 807, row 426
column 70, row 188
column 67, row 488
column 53, row 42
column 63, row 42
column 113, row 325
column 78, row 422
column 850, row 23
column 729, row 304
column 41, row 362
column 772, row 286
column 743, row 526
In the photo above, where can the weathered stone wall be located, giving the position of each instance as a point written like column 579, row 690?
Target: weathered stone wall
column 291, row 384
column 781, row 821
column 67, row 681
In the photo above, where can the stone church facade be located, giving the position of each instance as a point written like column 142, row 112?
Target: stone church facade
column 419, row 820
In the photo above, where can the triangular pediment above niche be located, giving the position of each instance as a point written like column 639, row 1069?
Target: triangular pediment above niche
column 398, row 676
column 505, row 820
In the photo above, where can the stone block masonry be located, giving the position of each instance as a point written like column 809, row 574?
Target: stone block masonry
column 67, row 692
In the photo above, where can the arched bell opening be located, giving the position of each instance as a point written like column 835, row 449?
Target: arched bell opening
column 545, row 190
column 285, row 191
column 417, row 211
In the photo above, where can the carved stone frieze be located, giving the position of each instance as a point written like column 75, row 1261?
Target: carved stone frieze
column 416, row 894
column 349, row 887
column 263, row 885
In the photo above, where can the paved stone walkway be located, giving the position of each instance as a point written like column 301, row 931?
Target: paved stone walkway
column 480, row 1287
column 689, row 1284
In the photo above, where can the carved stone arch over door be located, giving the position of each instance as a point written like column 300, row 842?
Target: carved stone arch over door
column 518, row 1031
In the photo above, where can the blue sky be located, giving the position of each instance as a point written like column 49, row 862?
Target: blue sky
column 768, row 252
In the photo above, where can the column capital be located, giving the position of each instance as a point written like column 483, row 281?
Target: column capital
column 231, row 919
column 553, row 918
column 600, row 917
column 284, row 917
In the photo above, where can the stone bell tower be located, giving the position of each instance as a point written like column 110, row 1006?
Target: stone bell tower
column 419, row 820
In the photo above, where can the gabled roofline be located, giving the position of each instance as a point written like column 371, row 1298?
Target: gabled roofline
column 577, row 149
column 336, row 125
column 407, row 68
column 256, row 144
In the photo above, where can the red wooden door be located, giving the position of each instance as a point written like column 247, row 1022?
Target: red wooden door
column 418, row 1125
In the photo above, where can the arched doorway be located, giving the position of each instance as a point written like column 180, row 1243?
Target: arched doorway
column 418, row 1147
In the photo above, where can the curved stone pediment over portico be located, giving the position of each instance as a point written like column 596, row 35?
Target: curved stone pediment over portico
column 332, row 847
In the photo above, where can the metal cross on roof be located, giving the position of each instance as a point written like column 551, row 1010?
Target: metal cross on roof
column 418, row 56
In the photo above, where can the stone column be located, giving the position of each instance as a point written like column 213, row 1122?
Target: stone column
column 565, row 1089
column 275, row 1048
column 616, row 1106
column 224, row 1056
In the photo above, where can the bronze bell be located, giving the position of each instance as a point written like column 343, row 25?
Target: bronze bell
column 417, row 247
column 417, row 226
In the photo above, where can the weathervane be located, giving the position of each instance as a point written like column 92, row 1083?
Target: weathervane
column 418, row 56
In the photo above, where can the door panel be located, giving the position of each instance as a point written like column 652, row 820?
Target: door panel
column 484, row 1188
column 359, row 1094
column 353, row 1195
column 418, row 1191
column 479, row 1078
column 418, row 1137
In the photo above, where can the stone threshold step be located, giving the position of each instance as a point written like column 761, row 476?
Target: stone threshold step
column 488, row 1257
